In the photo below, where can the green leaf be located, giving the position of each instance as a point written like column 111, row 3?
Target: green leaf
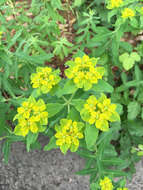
column 78, row 104
column 64, row 148
column 128, row 63
column 51, row 145
column 135, row 56
column 126, row 46
column 114, row 117
column 134, row 22
column 91, row 135
column 135, row 127
column 53, row 109
column 129, row 60
column 77, row 3
column 119, row 109
column 138, row 73
column 35, row 59
column 102, row 86
column 140, row 153
column 109, row 151
column 111, row 13
column 69, row 88
column 140, row 146
column 87, row 171
column 123, row 57
column 86, row 153
column 30, row 139
column 56, row 4
column 142, row 113
column 133, row 110
column 74, row 115
column 113, row 161
column 6, row 151
column 2, row 1
column 141, row 21
column 14, row 39
column 115, row 173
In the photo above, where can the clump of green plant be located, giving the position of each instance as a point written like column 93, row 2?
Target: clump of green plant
column 95, row 108
column 75, row 114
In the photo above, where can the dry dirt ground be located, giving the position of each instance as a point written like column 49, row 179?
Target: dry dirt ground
column 39, row 170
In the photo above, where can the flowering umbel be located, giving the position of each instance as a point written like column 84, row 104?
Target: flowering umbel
column 68, row 134
column 114, row 4
column 84, row 72
column 31, row 116
column 44, row 79
column 99, row 112
column 106, row 184
column 128, row 13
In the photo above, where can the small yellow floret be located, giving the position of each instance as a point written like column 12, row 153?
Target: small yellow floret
column 31, row 116
column 68, row 134
column 115, row 4
column 106, row 184
column 44, row 79
column 127, row 13
column 99, row 112
column 84, row 72
column 124, row 188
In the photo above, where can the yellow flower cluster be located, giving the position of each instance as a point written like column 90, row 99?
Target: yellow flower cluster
column 124, row 188
column 68, row 134
column 127, row 13
column 84, row 72
column 106, row 184
column 115, row 4
column 44, row 79
column 99, row 112
column 31, row 116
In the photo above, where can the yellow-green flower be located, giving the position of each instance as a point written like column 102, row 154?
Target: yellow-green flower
column 99, row 112
column 68, row 134
column 44, row 79
column 124, row 188
column 31, row 116
column 114, row 4
column 127, row 13
column 106, row 184
column 84, row 72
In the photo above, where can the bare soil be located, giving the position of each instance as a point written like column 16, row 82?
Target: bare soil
column 39, row 170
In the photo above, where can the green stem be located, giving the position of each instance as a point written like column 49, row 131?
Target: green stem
column 64, row 99
column 72, row 97
column 68, row 108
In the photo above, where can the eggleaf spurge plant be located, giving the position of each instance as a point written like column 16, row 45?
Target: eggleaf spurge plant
column 77, row 114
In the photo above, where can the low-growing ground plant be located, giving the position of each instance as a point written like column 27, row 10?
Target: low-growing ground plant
column 72, row 71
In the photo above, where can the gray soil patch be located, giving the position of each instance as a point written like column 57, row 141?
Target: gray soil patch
column 39, row 170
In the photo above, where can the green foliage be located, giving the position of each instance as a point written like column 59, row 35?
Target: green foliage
column 53, row 32
column 129, row 60
column 91, row 135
